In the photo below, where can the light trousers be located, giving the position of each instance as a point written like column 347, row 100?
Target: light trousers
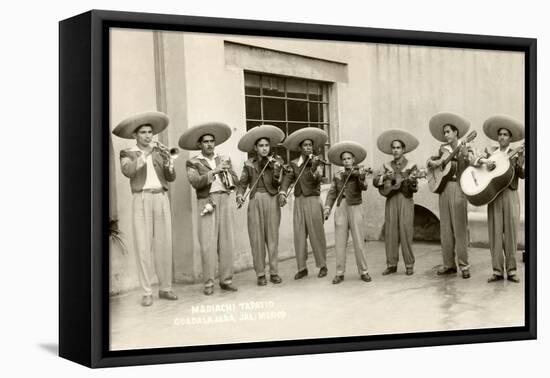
column 349, row 219
column 308, row 221
column 152, row 224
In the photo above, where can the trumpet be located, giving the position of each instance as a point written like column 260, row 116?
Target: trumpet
column 168, row 154
column 225, row 177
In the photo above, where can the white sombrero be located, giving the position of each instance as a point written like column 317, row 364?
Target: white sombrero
column 438, row 121
column 189, row 139
column 272, row 133
column 318, row 136
column 493, row 124
column 336, row 151
column 157, row 120
column 385, row 140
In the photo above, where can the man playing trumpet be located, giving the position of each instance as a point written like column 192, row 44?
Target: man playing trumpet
column 213, row 179
column 306, row 173
column 261, row 174
column 149, row 171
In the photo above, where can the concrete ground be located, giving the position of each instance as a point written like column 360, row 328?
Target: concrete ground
column 313, row 307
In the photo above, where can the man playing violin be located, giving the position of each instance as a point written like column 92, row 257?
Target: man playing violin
column 149, row 171
column 503, row 212
column 399, row 208
column 346, row 193
column 261, row 175
column 453, row 207
column 306, row 174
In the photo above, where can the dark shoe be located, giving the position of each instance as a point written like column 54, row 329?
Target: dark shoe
column 409, row 272
column 513, row 278
column 228, row 287
column 495, row 278
column 262, row 281
column 300, row 274
column 147, row 300
column 366, row 277
column 274, row 278
column 442, row 271
column 466, row 274
column 337, row 279
column 168, row 295
column 389, row 270
column 208, row 290
column 322, row 272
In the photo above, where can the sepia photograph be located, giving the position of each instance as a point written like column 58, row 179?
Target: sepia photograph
column 268, row 189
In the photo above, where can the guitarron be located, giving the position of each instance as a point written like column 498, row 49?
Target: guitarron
column 481, row 185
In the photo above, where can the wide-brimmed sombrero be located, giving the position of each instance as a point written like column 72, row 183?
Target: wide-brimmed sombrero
column 318, row 136
column 335, row 152
column 385, row 140
column 438, row 121
column 493, row 124
column 157, row 120
column 272, row 133
column 189, row 139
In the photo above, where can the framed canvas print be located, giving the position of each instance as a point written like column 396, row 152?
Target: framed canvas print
column 234, row 188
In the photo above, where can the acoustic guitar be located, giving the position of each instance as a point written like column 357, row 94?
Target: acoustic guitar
column 482, row 185
column 439, row 176
column 393, row 183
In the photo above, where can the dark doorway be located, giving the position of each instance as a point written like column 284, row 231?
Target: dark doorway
column 426, row 226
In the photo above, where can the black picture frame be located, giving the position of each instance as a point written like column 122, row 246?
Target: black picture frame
column 83, row 182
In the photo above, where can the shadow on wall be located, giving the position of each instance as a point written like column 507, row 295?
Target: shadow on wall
column 426, row 226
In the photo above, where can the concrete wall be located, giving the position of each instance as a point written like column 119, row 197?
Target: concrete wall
column 197, row 78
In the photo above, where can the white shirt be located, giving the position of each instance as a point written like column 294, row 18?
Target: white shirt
column 151, row 179
column 217, row 185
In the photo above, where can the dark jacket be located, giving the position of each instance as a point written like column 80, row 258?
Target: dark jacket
column 200, row 175
column 462, row 160
column 309, row 183
column 352, row 192
column 519, row 169
column 128, row 164
column 270, row 178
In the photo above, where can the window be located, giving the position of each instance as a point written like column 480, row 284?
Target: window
column 290, row 104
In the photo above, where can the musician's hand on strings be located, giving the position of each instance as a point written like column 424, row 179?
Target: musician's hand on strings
column 282, row 199
column 240, row 200
column 326, row 212
column 434, row 163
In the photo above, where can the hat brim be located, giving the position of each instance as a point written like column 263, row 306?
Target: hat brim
column 317, row 136
column 272, row 133
column 335, row 152
column 438, row 121
column 189, row 139
column 493, row 124
column 126, row 129
column 385, row 140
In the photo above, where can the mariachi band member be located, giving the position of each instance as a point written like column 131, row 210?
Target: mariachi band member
column 149, row 169
column 503, row 211
column 399, row 210
column 346, row 192
column 306, row 174
column 261, row 174
column 213, row 178
column 447, row 127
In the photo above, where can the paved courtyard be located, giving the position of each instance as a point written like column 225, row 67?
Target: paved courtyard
column 314, row 307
